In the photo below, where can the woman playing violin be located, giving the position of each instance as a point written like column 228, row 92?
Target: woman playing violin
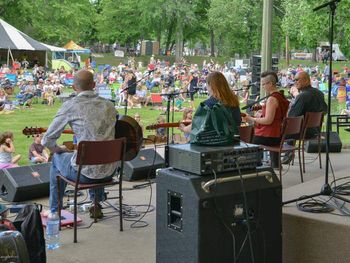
column 267, row 129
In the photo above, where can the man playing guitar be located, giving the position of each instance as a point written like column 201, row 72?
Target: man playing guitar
column 91, row 118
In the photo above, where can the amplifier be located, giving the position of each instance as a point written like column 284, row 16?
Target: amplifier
column 203, row 160
column 202, row 219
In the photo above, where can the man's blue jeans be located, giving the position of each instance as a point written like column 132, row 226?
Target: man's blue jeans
column 61, row 164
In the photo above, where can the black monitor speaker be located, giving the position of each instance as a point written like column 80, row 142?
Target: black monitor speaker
column 25, row 182
column 143, row 166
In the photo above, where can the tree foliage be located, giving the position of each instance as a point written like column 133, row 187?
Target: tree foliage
column 232, row 26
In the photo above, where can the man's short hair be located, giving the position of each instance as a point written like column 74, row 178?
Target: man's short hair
column 271, row 76
column 83, row 80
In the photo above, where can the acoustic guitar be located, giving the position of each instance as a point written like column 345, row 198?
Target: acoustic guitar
column 166, row 125
column 125, row 127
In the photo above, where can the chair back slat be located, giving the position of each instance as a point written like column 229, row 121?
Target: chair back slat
column 246, row 133
column 292, row 125
column 100, row 152
column 313, row 120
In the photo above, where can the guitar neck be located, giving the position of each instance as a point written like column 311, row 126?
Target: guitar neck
column 39, row 130
column 167, row 125
column 64, row 131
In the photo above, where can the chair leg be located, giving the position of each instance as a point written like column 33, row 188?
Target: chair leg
column 319, row 151
column 303, row 155
column 59, row 199
column 280, row 166
column 120, row 204
column 300, row 165
column 95, row 207
column 75, row 215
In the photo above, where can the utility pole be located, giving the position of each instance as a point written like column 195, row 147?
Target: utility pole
column 266, row 41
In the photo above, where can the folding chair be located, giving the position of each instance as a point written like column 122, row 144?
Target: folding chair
column 291, row 126
column 156, row 99
column 312, row 120
column 96, row 153
column 246, row 133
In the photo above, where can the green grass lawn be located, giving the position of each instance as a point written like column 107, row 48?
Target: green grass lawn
column 41, row 116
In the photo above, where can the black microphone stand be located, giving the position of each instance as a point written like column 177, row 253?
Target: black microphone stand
column 248, row 106
column 129, row 86
column 326, row 189
column 170, row 98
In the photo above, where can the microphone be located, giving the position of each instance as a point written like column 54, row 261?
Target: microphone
column 252, row 84
column 247, row 86
column 326, row 4
column 195, row 90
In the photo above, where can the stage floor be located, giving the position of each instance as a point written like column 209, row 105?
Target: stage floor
column 306, row 236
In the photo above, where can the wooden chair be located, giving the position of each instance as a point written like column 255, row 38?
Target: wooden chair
column 312, row 120
column 246, row 133
column 291, row 126
column 96, row 153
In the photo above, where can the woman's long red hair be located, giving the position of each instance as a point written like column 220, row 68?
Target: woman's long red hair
column 221, row 90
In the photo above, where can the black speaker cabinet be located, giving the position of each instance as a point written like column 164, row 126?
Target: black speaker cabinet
column 200, row 221
column 20, row 184
column 335, row 144
column 144, row 165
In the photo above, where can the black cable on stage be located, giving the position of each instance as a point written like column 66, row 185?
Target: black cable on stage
column 315, row 206
column 222, row 220
column 246, row 211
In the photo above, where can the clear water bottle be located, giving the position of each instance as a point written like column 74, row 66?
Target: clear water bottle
column 52, row 231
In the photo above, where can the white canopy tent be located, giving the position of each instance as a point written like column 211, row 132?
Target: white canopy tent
column 11, row 39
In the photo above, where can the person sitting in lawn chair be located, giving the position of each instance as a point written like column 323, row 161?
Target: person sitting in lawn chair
column 28, row 94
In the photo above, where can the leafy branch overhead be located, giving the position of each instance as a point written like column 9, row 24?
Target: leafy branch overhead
column 227, row 26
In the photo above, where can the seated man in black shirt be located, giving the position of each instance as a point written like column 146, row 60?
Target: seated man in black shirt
column 309, row 99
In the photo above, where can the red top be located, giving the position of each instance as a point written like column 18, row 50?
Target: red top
column 273, row 129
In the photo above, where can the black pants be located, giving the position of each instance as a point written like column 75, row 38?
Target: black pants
column 269, row 141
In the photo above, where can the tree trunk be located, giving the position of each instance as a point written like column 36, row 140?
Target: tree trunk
column 179, row 41
column 172, row 45
column 170, row 34
column 314, row 56
column 212, row 43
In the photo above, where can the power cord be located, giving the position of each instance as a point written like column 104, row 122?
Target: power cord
column 222, row 220
column 246, row 211
column 134, row 224
column 315, row 206
column 130, row 212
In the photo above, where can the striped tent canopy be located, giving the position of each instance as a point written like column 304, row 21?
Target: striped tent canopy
column 12, row 38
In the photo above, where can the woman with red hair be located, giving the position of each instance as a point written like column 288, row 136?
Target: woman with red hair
column 219, row 91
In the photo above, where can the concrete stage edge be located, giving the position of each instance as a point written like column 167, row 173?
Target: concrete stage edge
column 313, row 237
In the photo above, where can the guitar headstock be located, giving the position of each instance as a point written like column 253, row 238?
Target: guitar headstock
column 30, row 131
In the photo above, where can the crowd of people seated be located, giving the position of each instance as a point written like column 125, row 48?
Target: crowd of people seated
column 28, row 86
column 132, row 85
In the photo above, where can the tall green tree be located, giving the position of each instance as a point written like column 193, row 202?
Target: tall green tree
column 120, row 21
column 54, row 22
column 307, row 28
